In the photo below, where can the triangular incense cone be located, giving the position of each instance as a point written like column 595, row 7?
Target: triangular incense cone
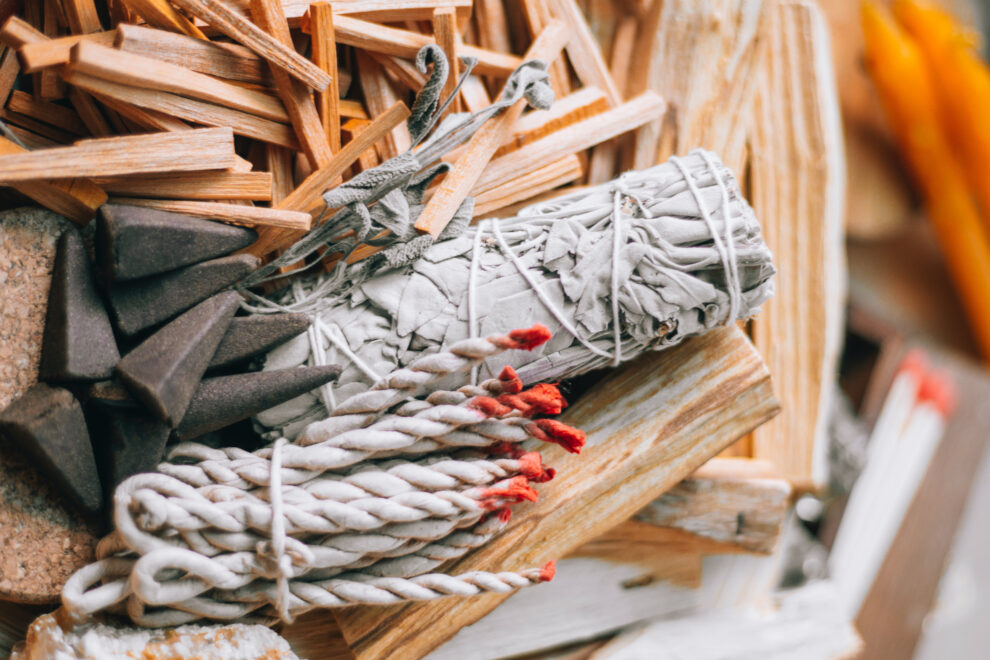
column 48, row 424
column 133, row 242
column 126, row 439
column 140, row 304
column 222, row 401
column 250, row 335
column 165, row 369
column 78, row 342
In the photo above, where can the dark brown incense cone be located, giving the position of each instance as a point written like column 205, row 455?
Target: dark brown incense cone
column 133, row 241
column 165, row 369
column 126, row 439
column 48, row 424
column 140, row 304
column 248, row 336
column 219, row 402
column 78, row 341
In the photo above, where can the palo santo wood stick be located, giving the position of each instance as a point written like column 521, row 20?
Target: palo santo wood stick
column 295, row 96
column 188, row 151
column 147, row 119
column 54, row 134
column 352, row 129
column 223, row 60
column 565, row 170
column 582, row 104
column 138, row 71
column 379, row 96
column 89, row 112
column 9, row 68
column 604, row 157
column 404, row 43
column 39, row 55
column 583, row 50
column 536, row 14
column 445, row 33
column 253, row 216
column 402, row 70
column 577, row 137
column 17, row 32
column 50, row 113
column 81, row 16
column 379, row 11
column 199, row 186
column 237, row 27
column 474, row 94
column 325, row 57
column 689, row 402
column 163, row 15
column 198, row 112
column 278, row 162
column 76, row 199
column 306, row 197
column 462, row 178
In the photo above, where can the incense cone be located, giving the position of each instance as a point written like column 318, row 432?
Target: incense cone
column 250, row 335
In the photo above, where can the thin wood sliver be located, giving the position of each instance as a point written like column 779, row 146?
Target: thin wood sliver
column 458, row 183
column 255, row 216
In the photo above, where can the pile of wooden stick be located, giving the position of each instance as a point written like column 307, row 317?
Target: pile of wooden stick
column 246, row 111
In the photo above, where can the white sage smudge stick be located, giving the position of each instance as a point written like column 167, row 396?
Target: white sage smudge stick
column 640, row 263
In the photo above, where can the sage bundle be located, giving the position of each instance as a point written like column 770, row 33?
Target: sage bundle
column 639, row 263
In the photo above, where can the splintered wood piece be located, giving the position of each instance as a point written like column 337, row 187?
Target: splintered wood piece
column 529, row 185
column 163, row 15
column 223, row 60
column 252, row 216
column 204, row 149
column 457, row 184
column 199, row 112
column 138, row 71
column 40, row 54
column 582, row 104
column 649, row 425
column 325, row 57
column 76, row 199
column 583, row 51
column 445, row 33
column 379, row 11
column 306, row 197
column 199, row 185
column 735, row 501
column 51, row 113
column 378, row 97
column 295, row 96
column 797, row 183
column 404, row 43
column 81, row 16
column 577, row 137
column 240, row 29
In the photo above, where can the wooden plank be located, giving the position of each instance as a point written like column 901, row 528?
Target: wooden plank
column 294, row 94
column 459, row 181
column 797, row 182
column 404, row 43
column 148, row 73
column 51, row 113
column 572, row 139
column 529, row 185
column 198, row 112
column 204, row 149
column 584, row 52
column 325, row 57
column 161, row 14
column 240, row 29
column 201, row 185
column 237, row 214
column 38, row 55
column 223, row 60
column 378, row 97
column 649, row 424
column 76, row 199
column 447, row 38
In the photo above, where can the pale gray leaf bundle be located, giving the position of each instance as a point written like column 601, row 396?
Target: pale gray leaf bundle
column 689, row 256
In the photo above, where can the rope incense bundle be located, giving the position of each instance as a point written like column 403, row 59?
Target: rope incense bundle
column 356, row 511
column 637, row 264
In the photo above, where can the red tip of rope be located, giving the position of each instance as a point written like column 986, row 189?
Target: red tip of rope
column 510, row 381
column 938, row 390
column 504, row 515
column 548, row 571
column 550, row 430
column 545, row 399
column 512, row 449
column 531, row 466
column 489, row 406
column 525, row 339
column 516, row 488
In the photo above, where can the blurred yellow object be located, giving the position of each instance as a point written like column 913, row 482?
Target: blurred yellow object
column 962, row 83
column 899, row 72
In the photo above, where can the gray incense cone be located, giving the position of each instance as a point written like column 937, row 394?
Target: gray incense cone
column 140, row 304
column 78, row 342
column 133, row 241
column 222, row 401
column 126, row 439
column 48, row 424
column 165, row 369
column 250, row 335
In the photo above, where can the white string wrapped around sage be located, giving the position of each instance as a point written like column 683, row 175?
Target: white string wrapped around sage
column 639, row 263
